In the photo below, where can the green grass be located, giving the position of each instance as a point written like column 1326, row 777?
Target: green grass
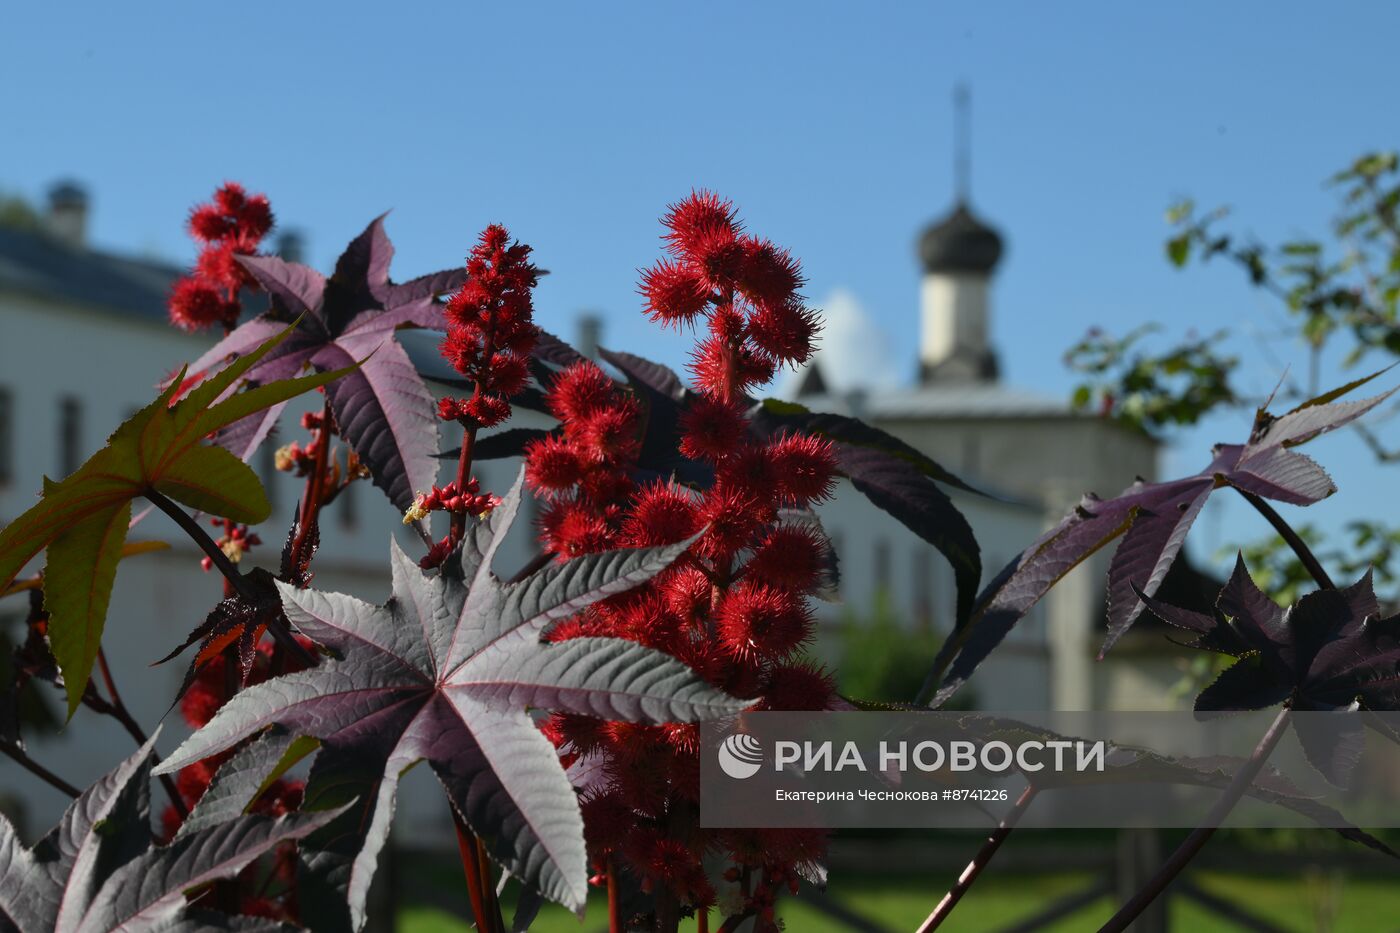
column 1355, row 905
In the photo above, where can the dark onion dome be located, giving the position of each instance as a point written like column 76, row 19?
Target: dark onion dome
column 960, row 243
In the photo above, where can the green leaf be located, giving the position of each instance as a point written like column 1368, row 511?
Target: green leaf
column 210, row 479
column 78, row 577
column 1179, row 249
column 83, row 519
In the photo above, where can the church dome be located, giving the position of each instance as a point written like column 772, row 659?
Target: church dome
column 960, row 243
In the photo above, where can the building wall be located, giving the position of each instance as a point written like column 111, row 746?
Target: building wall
column 882, row 560
column 109, row 365
column 1053, row 462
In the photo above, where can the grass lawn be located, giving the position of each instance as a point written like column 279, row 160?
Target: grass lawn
column 1356, row 905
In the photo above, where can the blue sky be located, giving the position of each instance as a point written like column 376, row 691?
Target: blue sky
column 829, row 124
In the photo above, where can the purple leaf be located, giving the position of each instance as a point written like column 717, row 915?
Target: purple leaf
column 1155, row 518
column 295, row 288
column 385, row 412
column 1327, row 653
column 98, row 871
column 446, row 672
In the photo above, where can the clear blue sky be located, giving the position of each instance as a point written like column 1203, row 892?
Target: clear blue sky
column 828, row 123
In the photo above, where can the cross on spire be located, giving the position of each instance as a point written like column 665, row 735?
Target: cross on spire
column 962, row 141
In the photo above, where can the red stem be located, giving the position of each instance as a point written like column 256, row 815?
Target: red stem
column 311, row 500
column 1245, row 776
column 1188, row 850
column 614, row 898
column 467, row 848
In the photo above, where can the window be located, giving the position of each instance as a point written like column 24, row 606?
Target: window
column 349, row 506
column 7, row 435
column 70, row 434
column 882, row 566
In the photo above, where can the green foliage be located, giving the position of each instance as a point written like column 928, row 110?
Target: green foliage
column 1149, row 391
column 16, row 213
column 1349, row 286
column 1368, row 545
column 883, row 659
column 82, row 521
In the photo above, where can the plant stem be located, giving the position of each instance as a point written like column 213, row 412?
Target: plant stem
column 38, row 770
column 311, row 500
column 614, row 898
column 1252, row 766
column 464, row 469
column 488, row 888
column 1201, row 834
column 118, row 711
column 467, row 848
column 979, row 861
column 201, row 538
column 1286, row 532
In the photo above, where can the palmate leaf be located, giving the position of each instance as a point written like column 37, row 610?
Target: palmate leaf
column 83, row 519
column 97, row 871
column 1330, row 652
column 1153, row 520
column 383, row 409
column 445, row 672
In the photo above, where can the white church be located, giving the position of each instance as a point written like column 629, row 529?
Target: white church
column 84, row 337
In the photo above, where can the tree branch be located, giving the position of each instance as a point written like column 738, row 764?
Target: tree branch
column 38, row 770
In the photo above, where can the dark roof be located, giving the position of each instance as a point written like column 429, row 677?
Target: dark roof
column 959, row 243
column 37, row 264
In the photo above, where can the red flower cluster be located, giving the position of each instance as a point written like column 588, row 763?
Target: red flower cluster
column 585, row 474
column 232, row 225
column 236, row 541
column 746, row 287
column 468, row 501
column 734, row 607
column 491, row 329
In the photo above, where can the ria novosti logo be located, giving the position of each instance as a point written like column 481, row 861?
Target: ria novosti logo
column 740, row 756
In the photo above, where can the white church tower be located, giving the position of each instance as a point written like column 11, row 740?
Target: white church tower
column 959, row 254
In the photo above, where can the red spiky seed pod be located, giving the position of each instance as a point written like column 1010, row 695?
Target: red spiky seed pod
column 805, row 467
column 791, row 557
column 552, row 465
column 711, row 429
column 661, row 514
column 674, row 294
column 758, row 621
column 769, row 273
column 701, row 215
column 798, row 686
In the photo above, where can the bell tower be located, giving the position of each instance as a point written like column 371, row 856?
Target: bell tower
column 958, row 254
